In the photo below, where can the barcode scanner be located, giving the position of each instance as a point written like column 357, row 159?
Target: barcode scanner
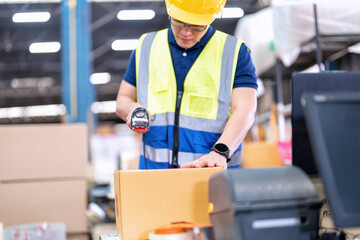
column 139, row 119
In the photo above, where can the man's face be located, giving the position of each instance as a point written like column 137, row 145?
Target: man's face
column 186, row 37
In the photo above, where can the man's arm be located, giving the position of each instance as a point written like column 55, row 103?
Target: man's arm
column 243, row 107
column 126, row 103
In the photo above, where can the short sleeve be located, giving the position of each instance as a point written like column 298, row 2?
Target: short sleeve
column 245, row 71
column 130, row 74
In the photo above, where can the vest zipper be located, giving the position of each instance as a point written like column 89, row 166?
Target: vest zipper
column 175, row 153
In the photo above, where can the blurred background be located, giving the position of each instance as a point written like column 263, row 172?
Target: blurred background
column 63, row 63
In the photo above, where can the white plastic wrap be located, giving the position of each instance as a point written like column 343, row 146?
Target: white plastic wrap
column 257, row 32
column 288, row 27
column 295, row 24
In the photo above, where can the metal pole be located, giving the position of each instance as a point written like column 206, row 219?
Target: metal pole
column 280, row 101
column 77, row 91
column 319, row 58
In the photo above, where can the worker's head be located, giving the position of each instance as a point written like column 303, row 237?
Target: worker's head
column 190, row 19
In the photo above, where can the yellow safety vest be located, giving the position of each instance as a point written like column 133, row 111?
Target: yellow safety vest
column 205, row 100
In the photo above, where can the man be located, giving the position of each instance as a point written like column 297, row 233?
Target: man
column 198, row 85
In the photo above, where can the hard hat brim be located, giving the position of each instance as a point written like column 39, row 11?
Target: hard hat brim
column 190, row 18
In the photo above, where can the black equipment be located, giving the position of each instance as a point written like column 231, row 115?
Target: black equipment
column 333, row 121
column 313, row 82
column 264, row 203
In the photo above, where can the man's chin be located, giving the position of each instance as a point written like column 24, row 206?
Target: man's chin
column 186, row 45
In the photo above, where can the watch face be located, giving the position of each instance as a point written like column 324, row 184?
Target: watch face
column 221, row 147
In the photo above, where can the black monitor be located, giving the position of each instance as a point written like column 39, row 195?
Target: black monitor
column 333, row 121
column 313, row 82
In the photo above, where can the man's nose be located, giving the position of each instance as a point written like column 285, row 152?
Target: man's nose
column 186, row 30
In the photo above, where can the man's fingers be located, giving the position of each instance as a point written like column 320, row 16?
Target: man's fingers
column 211, row 164
column 219, row 164
column 192, row 164
column 199, row 163
column 207, row 161
column 140, row 130
column 186, row 165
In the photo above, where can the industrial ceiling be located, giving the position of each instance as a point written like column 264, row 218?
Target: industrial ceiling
column 28, row 79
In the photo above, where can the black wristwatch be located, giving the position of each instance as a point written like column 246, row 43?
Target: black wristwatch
column 222, row 149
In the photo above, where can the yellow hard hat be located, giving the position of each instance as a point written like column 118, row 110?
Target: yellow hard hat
column 197, row 12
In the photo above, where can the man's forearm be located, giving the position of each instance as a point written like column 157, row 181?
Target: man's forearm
column 125, row 106
column 242, row 118
column 236, row 130
column 126, row 100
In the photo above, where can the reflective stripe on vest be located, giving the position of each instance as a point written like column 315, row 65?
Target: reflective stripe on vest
column 183, row 156
column 205, row 107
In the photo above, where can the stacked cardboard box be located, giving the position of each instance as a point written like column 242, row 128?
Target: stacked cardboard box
column 260, row 155
column 43, row 171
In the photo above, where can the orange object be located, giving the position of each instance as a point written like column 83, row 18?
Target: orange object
column 169, row 230
column 181, row 227
column 201, row 233
column 210, row 207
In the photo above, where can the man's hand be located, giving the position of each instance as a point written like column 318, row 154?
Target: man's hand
column 211, row 159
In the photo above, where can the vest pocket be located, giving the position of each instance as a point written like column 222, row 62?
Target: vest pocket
column 160, row 86
column 201, row 105
column 159, row 94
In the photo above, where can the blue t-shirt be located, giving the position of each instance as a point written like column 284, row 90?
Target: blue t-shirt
column 184, row 59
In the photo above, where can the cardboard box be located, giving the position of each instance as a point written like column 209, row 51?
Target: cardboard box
column 260, row 155
column 51, row 201
column 43, row 151
column 148, row 199
column 102, row 229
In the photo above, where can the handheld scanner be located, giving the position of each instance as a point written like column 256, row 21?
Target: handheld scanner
column 139, row 119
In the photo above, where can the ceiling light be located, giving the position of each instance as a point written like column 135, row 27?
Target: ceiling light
column 100, row 78
column 103, row 107
column 354, row 48
column 28, row 1
column 136, row 15
column 124, row 44
column 31, row 17
column 13, row 112
column 234, row 12
column 44, row 47
column 44, row 110
column 33, row 111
